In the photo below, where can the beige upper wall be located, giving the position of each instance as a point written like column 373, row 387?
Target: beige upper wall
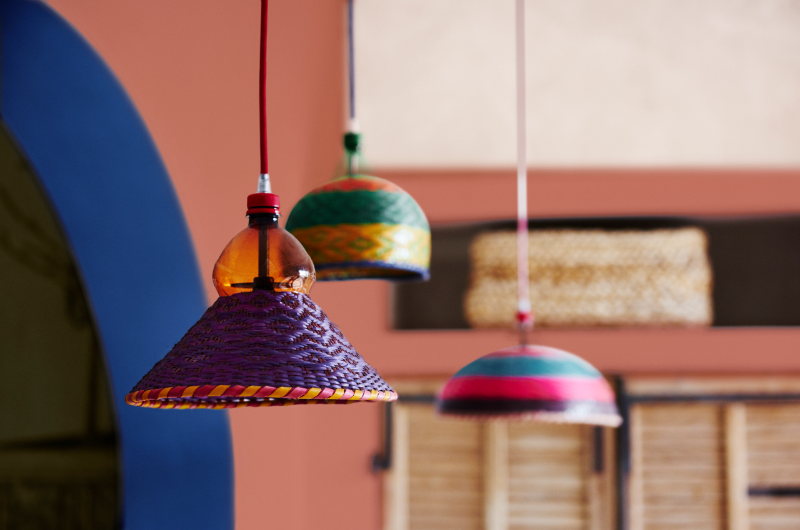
column 610, row 82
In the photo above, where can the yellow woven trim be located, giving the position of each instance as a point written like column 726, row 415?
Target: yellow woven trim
column 380, row 242
column 280, row 392
column 158, row 398
column 312, row 393
column 249, row 391
column 337, row 394
column 218, row 390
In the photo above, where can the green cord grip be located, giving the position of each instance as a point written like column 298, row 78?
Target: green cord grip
column 351, row 142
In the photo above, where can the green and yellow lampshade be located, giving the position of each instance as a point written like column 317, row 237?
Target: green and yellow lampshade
column 363, row 227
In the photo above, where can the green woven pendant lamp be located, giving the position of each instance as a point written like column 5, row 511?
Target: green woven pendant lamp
column 358, row 226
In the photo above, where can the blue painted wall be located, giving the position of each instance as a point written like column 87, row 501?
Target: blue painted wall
column 108, row 186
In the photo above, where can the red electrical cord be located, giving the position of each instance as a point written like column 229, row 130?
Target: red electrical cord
column 262, row 88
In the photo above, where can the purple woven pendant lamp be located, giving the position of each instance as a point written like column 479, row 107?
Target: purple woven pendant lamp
column 256, row 349
column 528, row 382
column 264, row 342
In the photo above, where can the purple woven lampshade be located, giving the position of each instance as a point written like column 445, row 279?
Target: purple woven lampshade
column 260, row 349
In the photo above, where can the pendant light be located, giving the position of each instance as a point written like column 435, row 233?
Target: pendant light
column 359, row 226
column 529, row 382
column 264, row 342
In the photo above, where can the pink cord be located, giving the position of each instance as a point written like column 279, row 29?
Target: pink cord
column 524, row 315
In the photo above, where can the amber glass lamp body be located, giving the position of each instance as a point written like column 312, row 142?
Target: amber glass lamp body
column 263, row 256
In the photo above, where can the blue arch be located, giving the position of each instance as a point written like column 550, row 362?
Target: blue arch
column 108, row 186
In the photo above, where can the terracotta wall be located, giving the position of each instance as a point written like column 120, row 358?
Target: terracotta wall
column 191, row 69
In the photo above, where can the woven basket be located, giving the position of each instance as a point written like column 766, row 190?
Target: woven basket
column 260, row 349
column 594, row 278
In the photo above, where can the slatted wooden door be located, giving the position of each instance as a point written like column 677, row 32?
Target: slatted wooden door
column 715, row 453
column 445, row 472
column 678, row 468
column 460, row 475
column 773, row 465
column 548, row 471
column 714, row 462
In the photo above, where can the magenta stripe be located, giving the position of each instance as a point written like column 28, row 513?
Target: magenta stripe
column 325, row 394
column 296, row 393
column 561, row 388
column 234, row 391
column 264, row 391
column 176, row 392
column 203, row 391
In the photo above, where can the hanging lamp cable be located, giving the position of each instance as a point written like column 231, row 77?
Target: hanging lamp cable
column 351, row 65
column 524, row 315
column 263, row 179
column 352, row 138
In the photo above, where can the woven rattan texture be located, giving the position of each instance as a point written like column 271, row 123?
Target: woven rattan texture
column 363, row 227
column 594, row 278
column 264, row 339
column 350, row 250
column 342, row 202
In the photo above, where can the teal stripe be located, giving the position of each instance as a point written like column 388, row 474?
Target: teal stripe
column 356, row 207
column 524, row 366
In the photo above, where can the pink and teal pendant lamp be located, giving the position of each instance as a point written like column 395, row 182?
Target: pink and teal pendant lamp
column 359, row 226
column 531, row 382
column 528, row 382
column 264, row 342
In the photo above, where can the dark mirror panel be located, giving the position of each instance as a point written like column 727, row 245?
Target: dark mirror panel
column 59, row 462
column 755, row 262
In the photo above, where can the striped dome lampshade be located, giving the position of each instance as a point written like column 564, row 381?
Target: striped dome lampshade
column 358, row 226
column 363, row 227
column 531, row 382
